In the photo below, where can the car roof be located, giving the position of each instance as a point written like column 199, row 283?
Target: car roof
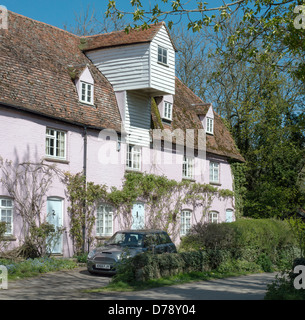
column 143, row 231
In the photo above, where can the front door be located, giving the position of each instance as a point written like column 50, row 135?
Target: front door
column 54, row 216
column 229, row 215
column 138, row 216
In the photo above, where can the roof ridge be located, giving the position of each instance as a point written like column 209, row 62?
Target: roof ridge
column 122, row 30
column 44, row 23
column 193, row 93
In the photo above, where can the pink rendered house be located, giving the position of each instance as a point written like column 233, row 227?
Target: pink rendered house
column 85, row 104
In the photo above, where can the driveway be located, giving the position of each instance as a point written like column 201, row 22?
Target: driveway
column 67, row 285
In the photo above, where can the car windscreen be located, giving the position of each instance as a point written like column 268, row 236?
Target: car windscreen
column 128, row 239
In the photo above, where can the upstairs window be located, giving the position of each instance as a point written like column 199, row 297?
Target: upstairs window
column 210, row 126
column 214, row 172
column 56, row 144
column 86, row 93
column 162, row 55
column 133, row 157
column 168, row 111
column 188, row 168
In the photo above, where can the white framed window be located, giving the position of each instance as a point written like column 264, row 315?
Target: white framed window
column 213, row 217
column 6, row 214
column 210, row 126
column 55, row 143
column 133, row 160
column 168, row 111
column 188, row 168
column 185, row 222
column 214, row 172
column 104, row 220
column 86, row 94
column 162, row 55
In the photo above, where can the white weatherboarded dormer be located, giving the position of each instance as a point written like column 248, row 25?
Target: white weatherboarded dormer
column 139, row 66
column 141, row 60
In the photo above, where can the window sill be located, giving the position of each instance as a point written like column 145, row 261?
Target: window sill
column 9, row 237
column 167, row 121
column 87, row 103
column 188, row 179
column 215, row 184
column 56, row 160
column 163, row 64
column 102, row 237
column 129, row 170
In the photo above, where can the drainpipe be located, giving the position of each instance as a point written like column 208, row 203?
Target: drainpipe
column 85, row 175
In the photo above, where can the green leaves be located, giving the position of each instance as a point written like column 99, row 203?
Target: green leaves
column 83, row 198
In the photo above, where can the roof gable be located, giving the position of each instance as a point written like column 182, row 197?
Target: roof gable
column 121, row 38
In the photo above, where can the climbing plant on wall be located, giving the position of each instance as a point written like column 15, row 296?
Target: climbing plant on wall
column 163, row 200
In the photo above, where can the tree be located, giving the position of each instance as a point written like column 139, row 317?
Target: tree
column 89, row 22
column 148, row 14
column 27, row 183
column 262, row 103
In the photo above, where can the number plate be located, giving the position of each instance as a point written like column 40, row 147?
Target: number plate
column 102, row 266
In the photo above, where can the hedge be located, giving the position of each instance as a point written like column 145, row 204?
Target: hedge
column 245, row 245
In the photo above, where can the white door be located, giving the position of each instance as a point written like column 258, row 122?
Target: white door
column 229, row 215
column 54, row 216
column 138, row 216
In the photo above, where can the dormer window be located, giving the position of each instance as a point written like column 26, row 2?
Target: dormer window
column 85, row 86
column 210, row 126
column 86, row 92
column 162, row 55
column 168, row 111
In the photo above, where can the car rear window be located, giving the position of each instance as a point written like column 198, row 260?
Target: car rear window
column 164, row 238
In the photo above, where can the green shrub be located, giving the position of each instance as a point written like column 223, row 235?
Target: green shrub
column 282, row 288
column 265, row 262
column 208, row 236
column 243, row 246
column 258, row 241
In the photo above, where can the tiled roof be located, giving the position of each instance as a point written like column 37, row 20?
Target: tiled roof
column 186, row 109
column 119, row 38
column 39, row 63
column 36, row 60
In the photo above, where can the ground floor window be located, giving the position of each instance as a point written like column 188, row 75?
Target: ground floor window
column 104, row 220
column 213, row 217
column 6, row 214
column 185, row 222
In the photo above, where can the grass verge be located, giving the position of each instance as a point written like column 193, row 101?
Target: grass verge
column 181, row 278
column 34, row 267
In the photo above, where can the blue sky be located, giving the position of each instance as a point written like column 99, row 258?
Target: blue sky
column 62, row 12
column 54, row 12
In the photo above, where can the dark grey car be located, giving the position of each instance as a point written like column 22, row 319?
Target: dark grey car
column 129, row 243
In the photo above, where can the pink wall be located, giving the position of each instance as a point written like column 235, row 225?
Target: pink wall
column 22, row 138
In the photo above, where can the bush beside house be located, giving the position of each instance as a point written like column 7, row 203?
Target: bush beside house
column 261, row 245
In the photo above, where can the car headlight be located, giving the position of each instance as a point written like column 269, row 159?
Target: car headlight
column 91, row 254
